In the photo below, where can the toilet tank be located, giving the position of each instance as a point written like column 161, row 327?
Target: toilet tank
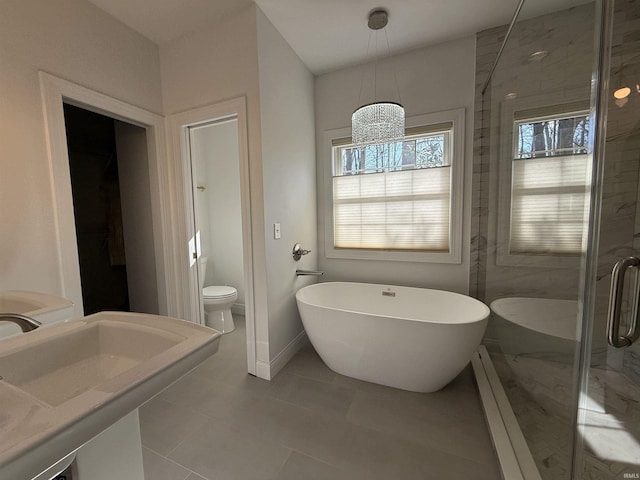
column 202, row 270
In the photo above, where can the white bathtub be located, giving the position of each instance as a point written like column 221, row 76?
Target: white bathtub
column 417, row 340
column 535, row 326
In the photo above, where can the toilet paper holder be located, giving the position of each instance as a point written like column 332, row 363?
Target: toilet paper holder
column 298, row 252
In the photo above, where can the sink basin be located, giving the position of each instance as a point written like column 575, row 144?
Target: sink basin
column 62, row 385
column 45, row 308
column 70, row 364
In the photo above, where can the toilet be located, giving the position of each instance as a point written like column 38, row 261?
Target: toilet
column 217, row 302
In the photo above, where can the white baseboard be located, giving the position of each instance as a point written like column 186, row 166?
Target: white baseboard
column 514, row 456
column 263, row 370
column 267, row 371
column 238, row 309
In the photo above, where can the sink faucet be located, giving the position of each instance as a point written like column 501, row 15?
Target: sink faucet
column 25, row 323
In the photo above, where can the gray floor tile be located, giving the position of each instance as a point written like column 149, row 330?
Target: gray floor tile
column 303, row 467
column 315, row 395
column 157, row 467
column 189, row 391
column 195, row 476
column 364, row 453
column 311, row 423
column 307, row 363
column 220, row 453
column 436, row 431
column 163, row 425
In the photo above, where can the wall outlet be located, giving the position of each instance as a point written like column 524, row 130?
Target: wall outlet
column 276, row 231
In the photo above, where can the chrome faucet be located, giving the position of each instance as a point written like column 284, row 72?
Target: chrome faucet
column 24, row 322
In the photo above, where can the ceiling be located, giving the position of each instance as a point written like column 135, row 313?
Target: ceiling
column 326, row 34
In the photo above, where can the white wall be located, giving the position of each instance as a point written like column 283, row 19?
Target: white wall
column 430, row 80
column 209, row 66
column 244, row 55
column 288, row 156
column 214, row 150
column 78, row 42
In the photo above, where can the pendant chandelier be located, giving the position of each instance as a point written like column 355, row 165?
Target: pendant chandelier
column 379, row 121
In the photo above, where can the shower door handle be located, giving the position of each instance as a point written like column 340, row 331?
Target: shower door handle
column 615, row 304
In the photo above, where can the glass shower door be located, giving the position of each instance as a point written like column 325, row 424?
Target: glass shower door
column 609, row 410
column 534, row 179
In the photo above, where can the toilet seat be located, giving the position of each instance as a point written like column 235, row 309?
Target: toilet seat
column 218, row 291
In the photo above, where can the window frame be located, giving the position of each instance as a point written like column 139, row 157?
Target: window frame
column 510, row 118
column 456, row 118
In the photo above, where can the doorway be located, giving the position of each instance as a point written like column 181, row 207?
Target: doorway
column 212, row 144
column 141, row 134
column 215, row 173
column 111, row 204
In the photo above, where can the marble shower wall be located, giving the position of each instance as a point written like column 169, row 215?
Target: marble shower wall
column 533, row 379
column 561, row 75
column 532, row 370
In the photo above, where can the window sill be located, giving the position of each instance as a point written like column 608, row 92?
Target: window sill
column 394, row 256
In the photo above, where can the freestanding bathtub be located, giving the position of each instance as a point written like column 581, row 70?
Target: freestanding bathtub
column 409, row 338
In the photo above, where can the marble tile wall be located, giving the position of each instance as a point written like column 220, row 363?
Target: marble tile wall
column 538, row 391
column 541, row 398
column 488, row 45
column 563, row 76
column 539, row 383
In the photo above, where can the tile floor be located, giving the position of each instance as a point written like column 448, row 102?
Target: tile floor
column 541, row 394
column 219, row 423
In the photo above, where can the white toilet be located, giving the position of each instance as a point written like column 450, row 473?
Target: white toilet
column 217, row 302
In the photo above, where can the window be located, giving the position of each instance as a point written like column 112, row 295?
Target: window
column 549, row 180
column 395, row 200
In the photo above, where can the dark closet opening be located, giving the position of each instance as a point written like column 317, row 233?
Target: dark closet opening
column 95, row 186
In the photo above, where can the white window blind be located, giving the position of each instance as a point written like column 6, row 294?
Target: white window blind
column 548, row 204
column 402, row 210
column 395, row 196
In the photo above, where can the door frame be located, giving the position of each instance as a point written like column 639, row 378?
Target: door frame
column 190, row 295
column 55, row 92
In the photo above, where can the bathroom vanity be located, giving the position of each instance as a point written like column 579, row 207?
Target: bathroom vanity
column 64, row 385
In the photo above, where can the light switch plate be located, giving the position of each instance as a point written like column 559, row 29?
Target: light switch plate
column 192, row 252
column 276, row 231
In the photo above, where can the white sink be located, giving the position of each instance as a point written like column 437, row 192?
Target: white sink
column 63, row 385
column 45, row 308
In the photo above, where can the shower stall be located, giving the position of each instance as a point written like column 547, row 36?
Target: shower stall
column 556, row 190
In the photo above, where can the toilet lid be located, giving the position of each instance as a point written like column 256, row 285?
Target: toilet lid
column 219, row 291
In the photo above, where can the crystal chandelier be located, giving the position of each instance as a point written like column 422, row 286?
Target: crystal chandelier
column 377, row 122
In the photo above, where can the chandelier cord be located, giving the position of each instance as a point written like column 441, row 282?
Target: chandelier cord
column 395, row 73
column 377, row 122
column 364, row 70
column 375, row 71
